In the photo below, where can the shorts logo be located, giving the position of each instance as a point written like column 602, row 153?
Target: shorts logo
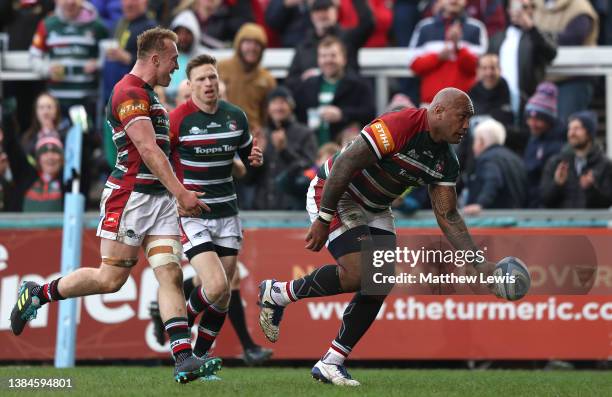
column 131, row 108
column 111, row 220
column 383, row 137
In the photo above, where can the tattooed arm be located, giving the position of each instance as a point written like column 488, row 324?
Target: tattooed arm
column 444, row 204
column 356, row 157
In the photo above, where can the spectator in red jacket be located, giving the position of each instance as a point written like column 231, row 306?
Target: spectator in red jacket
column 489, row 12
column 445, row 49
column 383, row 19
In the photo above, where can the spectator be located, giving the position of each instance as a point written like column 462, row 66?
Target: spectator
column 219, row 22
column 187, row 28
column 70, row 38
column 163, row 11
column 445, row 50
column 336, row 98
column 581, row 175
column 47, row 121
column 383, row 19
column 406, row 15
column 6, row 187
column 183, row 93
column 36, row 188
column 290, row 149
column 545, row 137
column 524, row 52
column 120, row 60
column 499, row 179
column 573, row 23
column 489, row 12
column 324, row 18
column 289, row 19
column 490, row 95
column 110, row 12
column 247, row 82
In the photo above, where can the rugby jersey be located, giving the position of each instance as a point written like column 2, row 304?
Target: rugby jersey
column 407, row 157
column 71, row 44
column 203, row 146
column 131, row 100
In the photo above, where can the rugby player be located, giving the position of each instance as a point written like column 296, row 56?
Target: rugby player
column 137, row 207
column 205, row 134
column 349, row 203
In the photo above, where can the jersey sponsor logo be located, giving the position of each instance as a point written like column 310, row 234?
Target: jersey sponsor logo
column 111, row 220
column 413, row 154
column 383, row 137
column 197, row 131
column 213, row 125
column 428, row 153
column 212, row 150
column 411, row 178
column 439, row 167
column 132, row 107
column 232, row 125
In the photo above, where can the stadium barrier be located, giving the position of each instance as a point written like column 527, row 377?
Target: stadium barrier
column 568, row 314
column 382, row 64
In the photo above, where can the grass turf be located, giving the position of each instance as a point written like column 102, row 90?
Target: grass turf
column 156, row 381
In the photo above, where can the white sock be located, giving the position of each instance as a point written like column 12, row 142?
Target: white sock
column 333, row 357
column 279, row 293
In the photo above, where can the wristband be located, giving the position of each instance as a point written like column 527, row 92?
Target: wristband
column 327, row 211
column 320, row 219
column 327, row 218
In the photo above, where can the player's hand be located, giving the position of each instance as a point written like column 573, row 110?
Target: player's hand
column 189, row 204
column 317, row 236
column 256, row 156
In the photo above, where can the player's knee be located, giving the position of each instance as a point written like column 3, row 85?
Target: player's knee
column 164, row 253
column 110, row 283
column 170, row 275
column 218, row 288
column 349, row 280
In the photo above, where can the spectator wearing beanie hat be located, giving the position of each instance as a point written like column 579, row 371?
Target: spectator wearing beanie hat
column 40, row 187
column 289, row 148
column 545, row 137
column 581, row 175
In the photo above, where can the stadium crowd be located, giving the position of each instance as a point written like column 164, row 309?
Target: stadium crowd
column 533, row 142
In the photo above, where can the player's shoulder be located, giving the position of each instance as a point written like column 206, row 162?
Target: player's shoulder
column 183, row 110
column 407, row 119
column 232, row 109
column 131, row 86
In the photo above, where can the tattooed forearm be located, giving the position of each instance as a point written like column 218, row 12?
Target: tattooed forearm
column 356, row 157
column 444, row 203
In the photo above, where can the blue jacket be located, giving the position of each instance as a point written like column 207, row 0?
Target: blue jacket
column 499, row 179
column 539, row 149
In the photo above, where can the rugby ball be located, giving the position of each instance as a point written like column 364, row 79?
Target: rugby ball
column 512, row 279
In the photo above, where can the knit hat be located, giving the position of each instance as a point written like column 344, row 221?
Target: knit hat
column 543, row 104
column 282, row 92
column 49, row 144
column 588, row 119
column 321, row 5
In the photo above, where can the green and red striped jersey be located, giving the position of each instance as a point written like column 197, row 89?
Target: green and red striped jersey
column 407, row 157
column 203, row 146
column 131, row 100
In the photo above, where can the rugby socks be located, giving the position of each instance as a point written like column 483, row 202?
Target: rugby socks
column 236, row 315
column 48, row 292
column 188, row 287
column 180, row 338
column 323, row 281
column 210, row 324
column 358, row 316
column 336, row 354
column 197, row 303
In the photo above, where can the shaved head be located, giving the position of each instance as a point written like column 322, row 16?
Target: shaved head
column 449, row 115
column 453, row 97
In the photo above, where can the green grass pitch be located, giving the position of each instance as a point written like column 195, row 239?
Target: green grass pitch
column 294, row 382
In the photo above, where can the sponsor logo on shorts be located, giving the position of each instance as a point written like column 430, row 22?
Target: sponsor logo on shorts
column 111, row 220
column 131, row 108
column 129, row 233
column 383, row 137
